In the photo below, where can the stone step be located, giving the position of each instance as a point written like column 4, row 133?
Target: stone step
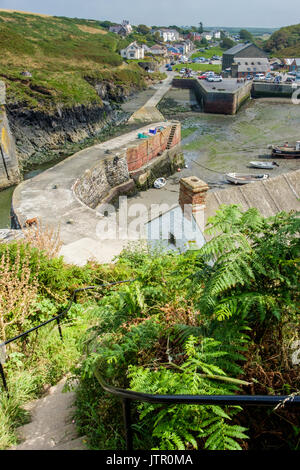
column 48, row 441
column 51, row 423
column 47, row 412
column 75, row 444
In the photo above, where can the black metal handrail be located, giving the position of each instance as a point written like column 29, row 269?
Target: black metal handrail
column 128, row 396
column 57, row 318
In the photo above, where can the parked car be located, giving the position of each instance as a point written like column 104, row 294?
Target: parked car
column 259, row 76
column 290, row 80
column 202, row 76
column 217, row 78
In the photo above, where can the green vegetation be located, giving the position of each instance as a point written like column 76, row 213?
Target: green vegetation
column 227, row 43
column 219, row 320
column 187, row 325
column 245, row 35
column 208, row 53
column 61, row 54
column 190, row 326
column 285, row 42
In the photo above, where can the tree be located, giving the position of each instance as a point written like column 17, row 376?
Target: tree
column 200, row 27
column 143, row 29
column 246, row 35
column 227, row 43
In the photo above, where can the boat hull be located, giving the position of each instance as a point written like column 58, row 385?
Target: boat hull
column 235, row 178
column 263, row 165
column 282, row 153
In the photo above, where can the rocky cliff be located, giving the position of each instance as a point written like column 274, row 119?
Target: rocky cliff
column 42, row 136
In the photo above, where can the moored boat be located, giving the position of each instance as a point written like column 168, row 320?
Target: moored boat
column 286, row 150
column 264, row 165
column 239, row 178
column 159, row 183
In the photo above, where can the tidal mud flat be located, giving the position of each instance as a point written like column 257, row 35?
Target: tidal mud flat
column 228, row 143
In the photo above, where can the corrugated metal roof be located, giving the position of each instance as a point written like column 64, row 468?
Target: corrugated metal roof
column 235, row 49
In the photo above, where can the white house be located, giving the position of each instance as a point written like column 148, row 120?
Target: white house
column 182, row 227
column 157, row 49
column 133, row 51
column 207, row 36
column 168, row 35
column 217, row 34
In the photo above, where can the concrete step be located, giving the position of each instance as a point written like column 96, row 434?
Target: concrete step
column 51, row 426
column 47, row 412
column 76, row 444
column 49, row 440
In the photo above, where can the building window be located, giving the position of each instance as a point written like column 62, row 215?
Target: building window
column 172, row 239
column 132, row 54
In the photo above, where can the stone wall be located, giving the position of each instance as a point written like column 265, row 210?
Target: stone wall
column 217, row 102
column 9, row 169
column 95, row 184
column 127, row 168
column 142, row 153
column 271, row 90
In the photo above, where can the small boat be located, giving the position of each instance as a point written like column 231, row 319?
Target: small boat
column 239, row 178
column 159, row 183
column 286, row 150
column 265, row 165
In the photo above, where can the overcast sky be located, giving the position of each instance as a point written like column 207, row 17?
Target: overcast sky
column 249, row 13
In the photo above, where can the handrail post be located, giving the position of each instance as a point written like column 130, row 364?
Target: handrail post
column 127, row 424
column 59, row 329
column 3, row 379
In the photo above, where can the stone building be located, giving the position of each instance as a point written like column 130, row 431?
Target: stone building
column 245, row 67
column 242, row 51
column 122, row 29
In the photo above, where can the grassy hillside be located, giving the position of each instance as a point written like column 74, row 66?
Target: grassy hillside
column 60, row 53
column 285, row 42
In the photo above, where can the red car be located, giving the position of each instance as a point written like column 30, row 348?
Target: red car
column 202, row 77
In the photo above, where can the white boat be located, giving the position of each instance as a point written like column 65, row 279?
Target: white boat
column 159, row 183
column 239, row 178
column 265, row 165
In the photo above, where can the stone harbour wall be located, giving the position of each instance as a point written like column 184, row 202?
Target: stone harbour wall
column 218, row 101
column 131, row 167
column 9, row 168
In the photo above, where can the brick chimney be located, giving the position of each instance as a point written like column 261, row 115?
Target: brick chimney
column 192, row 195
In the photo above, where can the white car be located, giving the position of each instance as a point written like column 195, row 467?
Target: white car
column 259, row 76
column 217, row 78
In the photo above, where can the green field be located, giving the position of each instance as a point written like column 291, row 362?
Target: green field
column 64, row 56
column 209, row 53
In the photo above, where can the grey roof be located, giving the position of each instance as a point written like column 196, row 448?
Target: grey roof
column 252, row 65
column 297, row 62
column 239, row 47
